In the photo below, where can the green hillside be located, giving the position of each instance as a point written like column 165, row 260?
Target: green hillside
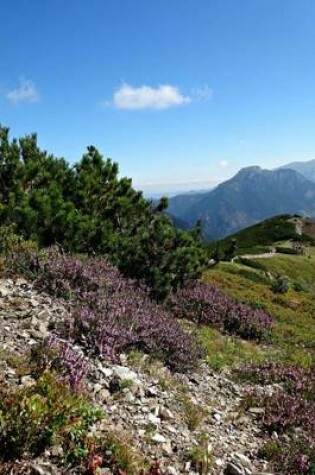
column 271, row 232
column 293, row 336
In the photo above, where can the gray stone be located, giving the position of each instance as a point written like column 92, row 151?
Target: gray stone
column 129, row 397
column 125, row 373
column 152, row 419
column 232, row 469
column 166, row 414
column 241, row 459
column 217, row 417
column 158, row 438
column 97, row 388
column 167, row 448
column 34, row 303
column 171, row 471
column 20, row 281
column 38, row 470
column 105, row 371
column 3, row 292
column 56, row 450
column 27, row 380
column 151, row 391
column 256, row 410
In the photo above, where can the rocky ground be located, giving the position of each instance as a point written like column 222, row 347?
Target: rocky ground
column 185, row 421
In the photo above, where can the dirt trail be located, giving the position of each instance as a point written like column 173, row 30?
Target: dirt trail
column 256, row 256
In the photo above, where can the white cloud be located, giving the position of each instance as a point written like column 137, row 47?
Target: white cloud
column 161, row 97
column 223, row 163
column 146, row 97
column 26, row 92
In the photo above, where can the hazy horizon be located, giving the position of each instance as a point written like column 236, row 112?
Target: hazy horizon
column 172, row 188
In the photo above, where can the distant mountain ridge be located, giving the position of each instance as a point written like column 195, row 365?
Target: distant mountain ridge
column 252, row 195
column 307, row 169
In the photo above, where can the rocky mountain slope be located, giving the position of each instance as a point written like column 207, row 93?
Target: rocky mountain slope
column 252, row 195
column 307, row 169
column 189, row 423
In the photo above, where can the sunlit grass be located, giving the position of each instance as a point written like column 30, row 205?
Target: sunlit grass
column 224, row 351
column 293, row 335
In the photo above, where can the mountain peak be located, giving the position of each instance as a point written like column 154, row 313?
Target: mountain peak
column 247, row 171
column 251, row 168
column 252, row 195
column 307, row 169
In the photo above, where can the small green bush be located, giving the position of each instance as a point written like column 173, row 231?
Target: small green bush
column 287, row 250
column 8, row 238
column 280, row 285
column 34, row 417
column 300, row 286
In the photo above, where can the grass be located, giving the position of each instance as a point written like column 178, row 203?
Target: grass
column 193, row 413
column 19, row 363
column 117, row 448
column 293, row 335
column 201, row 456
column 300, row 268
column 223, row 351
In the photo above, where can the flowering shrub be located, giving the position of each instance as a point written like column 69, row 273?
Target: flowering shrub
column 110, row 314
column 207, row 304
column 285, row 412
column 294, row 380
column 294, row 458
column 60, row 356
column 289, row 411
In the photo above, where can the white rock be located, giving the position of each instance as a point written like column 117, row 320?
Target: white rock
column 159, row 438
column 3, row 292
column 219, row 462
column 153, row 419
column 166, row 413
column 34, row 303
column 241, row 459
column 106, row 371
column 97, row 387
column 20, row 281
column 151, row 391
column 129, row 397
column 167, row 448
column 123, row 373
column 172, row 429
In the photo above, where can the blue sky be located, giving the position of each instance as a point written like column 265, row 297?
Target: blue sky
column 181, row 93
